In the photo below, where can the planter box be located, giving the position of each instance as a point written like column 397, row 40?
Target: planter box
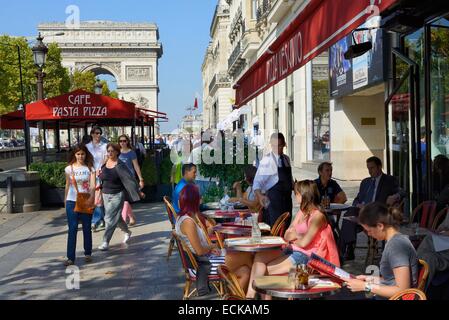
column 150, row 194
column 52, row 197
column 163, row 190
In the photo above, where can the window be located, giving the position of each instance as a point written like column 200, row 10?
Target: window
column 276, row 118
column 321, row 120
column 291, row 131
column 254, row 9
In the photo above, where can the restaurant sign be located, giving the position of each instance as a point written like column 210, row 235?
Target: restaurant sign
column 80, row 105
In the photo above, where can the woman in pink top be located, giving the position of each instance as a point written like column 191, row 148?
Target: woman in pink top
column 309, row 232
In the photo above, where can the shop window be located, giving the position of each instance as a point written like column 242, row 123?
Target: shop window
column 321, row 120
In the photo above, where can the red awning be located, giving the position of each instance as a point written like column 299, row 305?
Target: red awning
column 315, row 29
column 80, row 105
column 12, row 121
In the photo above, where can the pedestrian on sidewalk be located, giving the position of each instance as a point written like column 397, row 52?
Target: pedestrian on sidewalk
column 80, row 171
column 97, row 148
column 129, row 157
column 118, row 185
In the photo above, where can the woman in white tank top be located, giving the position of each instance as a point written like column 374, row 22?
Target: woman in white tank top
column 192, row 234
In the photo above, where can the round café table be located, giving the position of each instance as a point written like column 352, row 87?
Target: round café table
column 224, row 216
column 278, row 286
column 233, row 230
column 239, row 229
column 246, row 244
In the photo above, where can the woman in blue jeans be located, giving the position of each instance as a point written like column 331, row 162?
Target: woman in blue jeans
column 80, row 171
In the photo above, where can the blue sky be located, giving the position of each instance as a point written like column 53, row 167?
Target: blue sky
column 183, row 29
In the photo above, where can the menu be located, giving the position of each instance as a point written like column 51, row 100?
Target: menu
column 323, row 266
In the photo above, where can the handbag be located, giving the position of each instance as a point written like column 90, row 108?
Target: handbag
column 82, row 204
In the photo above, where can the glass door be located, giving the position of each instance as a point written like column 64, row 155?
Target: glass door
column 401, row 114
column 439, row 96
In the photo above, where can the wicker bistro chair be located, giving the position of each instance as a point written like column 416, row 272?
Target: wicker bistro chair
column 424, row 213
column 279, row 227
column 423, row 275
column 215, row 237
column 172, row 218
column 232, row 284
column 190, row 266
column 439, row 218
column 409, row 294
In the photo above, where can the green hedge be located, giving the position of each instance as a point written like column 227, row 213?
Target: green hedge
column 166, row 167
column 149, row 171
column 51, row 174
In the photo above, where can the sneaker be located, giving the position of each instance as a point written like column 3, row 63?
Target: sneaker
column 88, row 259
column 127, row 236
column 104, row 246
column 102, row 224
column 93, row 227
column 68, row 262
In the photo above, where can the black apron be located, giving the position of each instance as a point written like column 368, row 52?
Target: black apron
column 280, row 195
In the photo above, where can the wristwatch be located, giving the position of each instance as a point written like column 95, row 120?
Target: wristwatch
column 368, row 287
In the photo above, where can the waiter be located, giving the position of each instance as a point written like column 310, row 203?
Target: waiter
column 273, row 183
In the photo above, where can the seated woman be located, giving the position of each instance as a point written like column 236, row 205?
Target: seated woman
column 248, row 198
column 399, row 263
column 196, row 239
column 308, row 233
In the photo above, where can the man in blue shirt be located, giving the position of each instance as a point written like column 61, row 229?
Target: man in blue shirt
column 188, row 176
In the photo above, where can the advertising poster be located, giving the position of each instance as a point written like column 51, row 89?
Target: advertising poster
column 340, row 68
column 346, row 76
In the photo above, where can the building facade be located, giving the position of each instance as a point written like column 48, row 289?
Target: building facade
column 217, row 91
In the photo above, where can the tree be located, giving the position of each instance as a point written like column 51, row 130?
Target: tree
column 10, row 95
column 56, row 82
column 86, row 81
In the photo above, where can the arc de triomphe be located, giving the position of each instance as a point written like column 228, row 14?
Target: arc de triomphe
column 127, row 51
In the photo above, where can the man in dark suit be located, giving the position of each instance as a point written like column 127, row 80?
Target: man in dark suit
column 378, row 187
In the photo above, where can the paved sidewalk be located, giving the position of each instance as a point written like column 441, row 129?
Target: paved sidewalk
column 33, row 248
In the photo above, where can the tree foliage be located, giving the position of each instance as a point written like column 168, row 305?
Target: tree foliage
column 57, row 80
column 86, row 81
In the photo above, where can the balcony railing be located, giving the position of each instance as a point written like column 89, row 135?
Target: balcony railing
column 219, row 79
column 263, row 9
column 235, row 56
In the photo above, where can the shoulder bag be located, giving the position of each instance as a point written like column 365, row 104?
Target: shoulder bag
column 82, row 204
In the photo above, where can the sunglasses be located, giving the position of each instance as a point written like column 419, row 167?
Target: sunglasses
column 123, row 141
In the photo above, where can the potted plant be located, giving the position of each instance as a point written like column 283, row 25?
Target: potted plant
column 52, row 182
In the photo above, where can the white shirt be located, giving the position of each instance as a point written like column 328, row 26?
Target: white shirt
column 376, row 185
column 267, row 172
column 99, row 153
column 82, row 178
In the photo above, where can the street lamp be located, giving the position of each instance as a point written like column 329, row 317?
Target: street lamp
column 98, row 87
column 40, row 51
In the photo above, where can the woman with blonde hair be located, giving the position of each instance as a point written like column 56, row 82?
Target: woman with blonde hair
column 308, row 233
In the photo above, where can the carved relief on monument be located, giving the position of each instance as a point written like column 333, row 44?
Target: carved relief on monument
column 139, row 73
